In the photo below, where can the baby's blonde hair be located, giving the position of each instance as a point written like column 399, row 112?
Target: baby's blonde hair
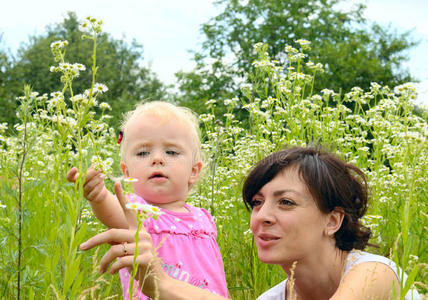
column 164, row 111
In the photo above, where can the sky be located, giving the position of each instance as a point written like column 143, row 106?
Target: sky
column 168, row 29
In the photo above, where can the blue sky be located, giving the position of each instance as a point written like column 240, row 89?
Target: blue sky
column 167, row 29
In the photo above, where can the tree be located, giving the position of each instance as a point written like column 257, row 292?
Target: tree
column 353, row 53
column 120, row 67
column 7, row 87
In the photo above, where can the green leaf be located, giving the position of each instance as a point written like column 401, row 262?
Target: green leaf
column 71, row 271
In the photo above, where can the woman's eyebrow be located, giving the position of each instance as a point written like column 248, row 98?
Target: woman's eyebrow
column 258, row 194
column 281, row 192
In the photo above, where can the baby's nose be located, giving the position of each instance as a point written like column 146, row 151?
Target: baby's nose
column 158, row 158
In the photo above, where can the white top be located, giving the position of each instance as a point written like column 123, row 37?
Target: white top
column 354, row 258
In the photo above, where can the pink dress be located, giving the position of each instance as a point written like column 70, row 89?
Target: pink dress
column 189, row 250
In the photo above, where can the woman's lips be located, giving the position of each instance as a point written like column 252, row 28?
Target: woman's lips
column 265, row 240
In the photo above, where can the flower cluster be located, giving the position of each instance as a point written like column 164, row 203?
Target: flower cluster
column 91, row 25
column 386, row 139
column 71, row 70
column 145, row 210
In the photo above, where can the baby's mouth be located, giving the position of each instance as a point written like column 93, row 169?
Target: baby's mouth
column 157, row 175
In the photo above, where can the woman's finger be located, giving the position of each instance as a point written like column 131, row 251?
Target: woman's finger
column 149, row 270
column 143, row 261
column 123, row 262
column 111, row 236
column 121, row 251
column 130, row 215
column 124, row 250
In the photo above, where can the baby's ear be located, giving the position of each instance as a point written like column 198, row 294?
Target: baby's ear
column 124, row 169
column 196, row 170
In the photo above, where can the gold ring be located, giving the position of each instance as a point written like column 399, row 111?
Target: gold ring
column 125, row 251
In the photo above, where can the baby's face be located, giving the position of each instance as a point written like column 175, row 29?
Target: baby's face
column 160, row 154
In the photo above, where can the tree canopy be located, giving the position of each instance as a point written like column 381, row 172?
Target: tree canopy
column 353, row 52
column 120, row 68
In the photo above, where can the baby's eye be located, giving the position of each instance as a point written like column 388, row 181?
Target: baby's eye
column 172, row 152
column 143, row 153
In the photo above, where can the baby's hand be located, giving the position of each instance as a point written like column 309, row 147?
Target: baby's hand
column 93, row 189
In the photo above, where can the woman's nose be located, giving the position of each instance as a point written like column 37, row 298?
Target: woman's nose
column 265, row 214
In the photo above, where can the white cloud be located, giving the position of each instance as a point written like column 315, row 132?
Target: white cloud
column 422, row 90
column 167, row 29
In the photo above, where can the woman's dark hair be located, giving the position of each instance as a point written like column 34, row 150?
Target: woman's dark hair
column 332, row 183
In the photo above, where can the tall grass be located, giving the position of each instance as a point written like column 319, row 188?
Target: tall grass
column 376, row 130
column 43, row 218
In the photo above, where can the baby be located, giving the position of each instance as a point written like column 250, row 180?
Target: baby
column 161, row 150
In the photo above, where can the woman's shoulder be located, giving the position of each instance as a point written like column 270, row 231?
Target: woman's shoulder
column 275, row 293
column 361, row 262
column 360, row 265
column 356, row 257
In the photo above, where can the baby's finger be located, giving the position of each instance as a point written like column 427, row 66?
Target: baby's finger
column 130, row 215
column 91, row 183
column 93, row 191
column 72, row 174
column 91, row 174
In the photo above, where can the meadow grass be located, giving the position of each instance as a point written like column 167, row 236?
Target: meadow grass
column 43, row 218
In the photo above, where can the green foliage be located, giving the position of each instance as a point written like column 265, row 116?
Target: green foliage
column 386, row 140
column 353, row 53
column 8, row 88
column 43, row 218
column 119, row 67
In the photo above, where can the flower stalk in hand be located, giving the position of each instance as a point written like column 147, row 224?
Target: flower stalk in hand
column 143, row 211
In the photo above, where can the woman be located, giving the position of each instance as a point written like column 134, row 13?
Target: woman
column 306, row 209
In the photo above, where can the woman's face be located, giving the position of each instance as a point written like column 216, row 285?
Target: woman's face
column 285, row 221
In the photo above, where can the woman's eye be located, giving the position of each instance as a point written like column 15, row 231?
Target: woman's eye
column 286, row 202
column 256, row 202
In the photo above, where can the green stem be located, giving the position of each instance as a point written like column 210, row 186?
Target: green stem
column 134, row 262
column 21, row 168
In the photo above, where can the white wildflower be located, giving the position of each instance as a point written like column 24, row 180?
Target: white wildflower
column 79, row 67
column 100, row 88
column 104, row 105
column 303, row 42
column 211, row 101
column 130, row 179
column 257, row 45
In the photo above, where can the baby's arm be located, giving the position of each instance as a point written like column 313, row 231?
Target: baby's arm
column 104, row 204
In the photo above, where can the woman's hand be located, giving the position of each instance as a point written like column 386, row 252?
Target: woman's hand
column 121, row 253
column 152, row 279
